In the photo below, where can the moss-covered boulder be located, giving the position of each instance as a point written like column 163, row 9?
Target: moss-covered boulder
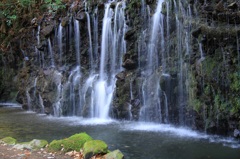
column 35, row 144
column 94, row 147
column 55, row 145
column 9, row 140
column 74, row 142
column 116, row 154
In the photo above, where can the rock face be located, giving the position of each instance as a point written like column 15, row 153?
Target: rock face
column 186, row 72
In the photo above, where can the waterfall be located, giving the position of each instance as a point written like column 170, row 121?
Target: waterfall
column 35, row 87
column 50, row 50
column 29, row 100
column 93, row 99
column 106, row 39
column 110, row 50
column 156, row 39
column 39, row 57
column 60, row 43
column 90, row 49
column 41, row 103
column 151, row 90
column 95, row 35
column 77, row 41
column 57, row 105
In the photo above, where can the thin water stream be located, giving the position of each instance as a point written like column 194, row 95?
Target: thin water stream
column 135, row 140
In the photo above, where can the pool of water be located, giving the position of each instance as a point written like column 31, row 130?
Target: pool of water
column 136, row 140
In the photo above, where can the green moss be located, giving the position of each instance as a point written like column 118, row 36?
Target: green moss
column 209, row 66
column 9, row 140
column 37, row 144
column 197, row 105
column 235, row 84
column 194, row 102
column 74, row 142
column 235, row 101
column 94, row 147
column 55, row 145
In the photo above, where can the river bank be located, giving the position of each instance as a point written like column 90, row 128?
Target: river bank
column 7, row 152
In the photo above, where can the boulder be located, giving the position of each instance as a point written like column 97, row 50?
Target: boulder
column 74, row 142
column 9, row 140
column 35, row 144
column 116, row 154
column 94, row 147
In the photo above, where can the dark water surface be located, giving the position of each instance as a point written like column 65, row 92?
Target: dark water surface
column 135, row 140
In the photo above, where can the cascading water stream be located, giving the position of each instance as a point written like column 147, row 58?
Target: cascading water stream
column 90, row 49
column 77, row 41
column 60, row 28
column 93, row 99
column 151, row 90
column 50, row 50
column 95, row 36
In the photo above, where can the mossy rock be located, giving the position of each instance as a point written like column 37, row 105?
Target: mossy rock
column 38, row 144
column 9, row 140
column 55, row 145
column 74, row 142
column 35, row 144
column 116, row 154
column 94, row 147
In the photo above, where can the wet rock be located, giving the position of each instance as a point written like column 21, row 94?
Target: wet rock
column 113, row 5
column 121, row 75
column 129, row 64
column 65, row 21
column 46, row 31
column 208, row 8
column 81, row 16
column 34, row 22
column 116, row 154
column 236, row 133
column 233, row 6
column 148, row 2
column 129, row 34
column 41, row 46
column 196, row 32
column 220, row 7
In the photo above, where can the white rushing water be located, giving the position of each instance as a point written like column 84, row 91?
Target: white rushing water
column 60, row 34
column 91, row 95
column 151, row 90
column 50, row 50
column 77, row 41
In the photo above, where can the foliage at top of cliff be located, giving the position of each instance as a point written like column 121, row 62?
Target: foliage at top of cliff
column 17, row 14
